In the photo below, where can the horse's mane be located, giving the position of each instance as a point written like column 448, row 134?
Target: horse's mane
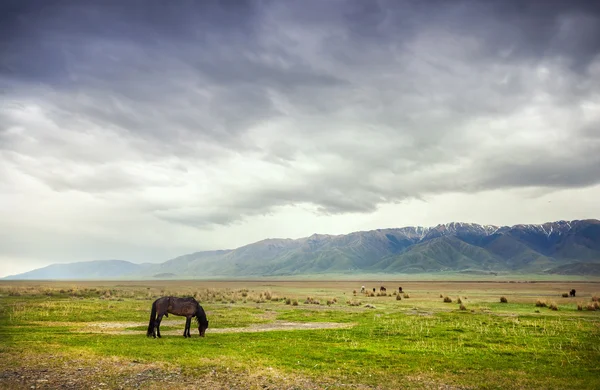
column 200, row 313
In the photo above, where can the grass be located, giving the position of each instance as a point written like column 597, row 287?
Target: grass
column 409, row 343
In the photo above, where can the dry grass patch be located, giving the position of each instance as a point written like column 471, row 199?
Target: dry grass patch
column 540, row 303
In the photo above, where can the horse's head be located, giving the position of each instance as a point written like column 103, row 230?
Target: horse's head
column 202, row 326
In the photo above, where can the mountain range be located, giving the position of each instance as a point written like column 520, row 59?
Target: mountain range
column 563, row 247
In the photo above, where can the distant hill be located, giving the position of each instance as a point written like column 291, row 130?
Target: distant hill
column 98, row 269
column 563, row 247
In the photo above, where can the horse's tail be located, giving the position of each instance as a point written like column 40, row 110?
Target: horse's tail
column 152, row 317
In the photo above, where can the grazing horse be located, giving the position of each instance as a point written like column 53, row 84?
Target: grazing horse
column 400, row 290
column 373, row 289
column 382, row 289
column 187, row 307
column 572, row 293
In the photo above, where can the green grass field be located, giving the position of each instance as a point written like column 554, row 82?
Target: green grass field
column 92, row 335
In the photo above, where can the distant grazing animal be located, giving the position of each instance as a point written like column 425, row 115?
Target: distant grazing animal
column 572, row 293
column 373, row 289
column 187, row 307
column 382, row 289
column 399, row 289
column 362, row 289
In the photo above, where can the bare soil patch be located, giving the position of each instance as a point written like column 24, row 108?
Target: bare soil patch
column 55, row 371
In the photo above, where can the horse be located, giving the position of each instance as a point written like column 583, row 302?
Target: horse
column 362, row 289
column 187, row 307
column 382, row 289
column 400, row 290
column 572, row 292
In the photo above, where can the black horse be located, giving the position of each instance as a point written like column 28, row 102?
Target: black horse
column 187, row 307
column 572, row 292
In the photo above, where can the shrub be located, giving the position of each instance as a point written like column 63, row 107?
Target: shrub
column 579, row 307
column 406, row 296
column 398, row 297
column 503, row 300
column 295, row 302
column 565, row 295
column 268, row 295
column 354, row 292
column 441, row 296
column 553, row 306
column 462, row 307
column 590, row 307
column 459, row 300
column 329, row 302
column 288, row 301
column 540, row 303
column 596, row 305
column 447, row 299
column 354, row 303
column 595, row 298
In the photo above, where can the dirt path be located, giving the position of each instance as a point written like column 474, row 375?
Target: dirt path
column 121, row 327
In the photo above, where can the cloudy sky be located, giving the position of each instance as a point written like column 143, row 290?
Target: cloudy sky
column 143, row 130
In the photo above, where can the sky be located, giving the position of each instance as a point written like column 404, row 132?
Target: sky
column 144, row 130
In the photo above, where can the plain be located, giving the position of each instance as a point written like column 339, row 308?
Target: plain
column 303, row 334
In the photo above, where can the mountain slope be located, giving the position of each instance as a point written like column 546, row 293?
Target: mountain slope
column 463, row 247
column 576, row 269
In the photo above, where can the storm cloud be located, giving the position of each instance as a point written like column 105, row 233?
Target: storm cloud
column 209, row 113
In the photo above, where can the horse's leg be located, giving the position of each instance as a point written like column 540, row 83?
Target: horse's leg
column 188, row 322
column 158, row 320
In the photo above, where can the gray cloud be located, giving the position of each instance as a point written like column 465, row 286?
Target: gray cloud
column 207, row 113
